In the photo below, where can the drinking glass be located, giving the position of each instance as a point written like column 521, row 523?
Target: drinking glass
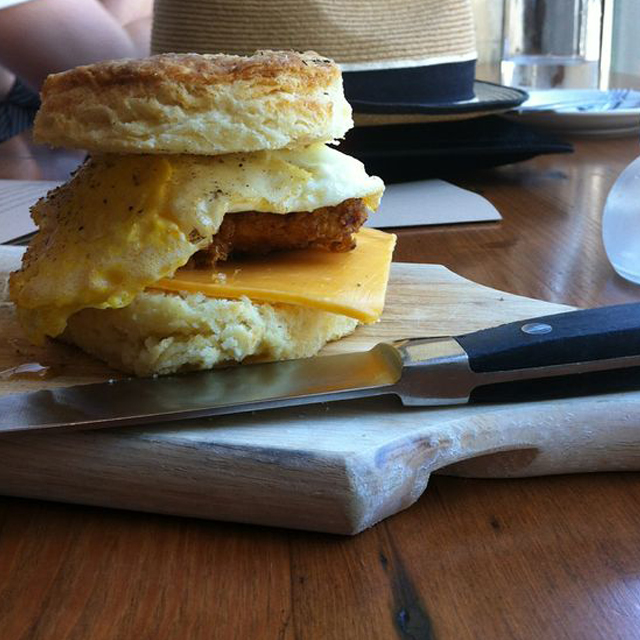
column 552, row 43
column 621, row 223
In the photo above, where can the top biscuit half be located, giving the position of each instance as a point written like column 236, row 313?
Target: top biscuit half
column 195, row 104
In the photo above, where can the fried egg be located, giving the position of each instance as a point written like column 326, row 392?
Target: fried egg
column 124, row 222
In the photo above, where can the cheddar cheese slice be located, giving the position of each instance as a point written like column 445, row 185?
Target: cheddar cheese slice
column 353, row 284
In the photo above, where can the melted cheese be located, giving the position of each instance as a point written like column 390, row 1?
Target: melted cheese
column 351, row 284
column 124, row 222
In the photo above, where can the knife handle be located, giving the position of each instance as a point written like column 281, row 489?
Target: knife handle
column 577, row 336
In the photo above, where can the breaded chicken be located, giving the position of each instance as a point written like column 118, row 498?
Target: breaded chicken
column 254, row 232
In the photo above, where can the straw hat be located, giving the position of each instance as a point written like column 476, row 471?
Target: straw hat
column 403, row 60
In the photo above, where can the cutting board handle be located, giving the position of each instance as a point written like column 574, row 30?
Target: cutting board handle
column 554, row 437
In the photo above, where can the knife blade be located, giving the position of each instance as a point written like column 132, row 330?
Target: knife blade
column 420, row 371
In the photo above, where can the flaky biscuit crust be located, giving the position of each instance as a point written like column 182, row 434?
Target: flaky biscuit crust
column 160, row 333
column 197, row 104
column 192, row 68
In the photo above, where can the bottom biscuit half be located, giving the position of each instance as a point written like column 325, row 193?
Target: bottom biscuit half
column 161, row 333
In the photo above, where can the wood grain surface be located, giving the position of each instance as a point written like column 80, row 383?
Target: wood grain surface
column 531, row 558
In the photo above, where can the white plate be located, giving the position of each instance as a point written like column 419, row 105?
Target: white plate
column 582, row 111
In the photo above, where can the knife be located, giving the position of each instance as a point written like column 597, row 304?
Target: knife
column 564, row 350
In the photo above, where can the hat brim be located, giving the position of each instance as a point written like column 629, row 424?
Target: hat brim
column 489, row 98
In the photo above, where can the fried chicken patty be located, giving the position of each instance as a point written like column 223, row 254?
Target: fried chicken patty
column 254, row 232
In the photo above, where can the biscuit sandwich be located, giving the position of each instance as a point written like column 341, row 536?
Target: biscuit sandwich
column 211, row 222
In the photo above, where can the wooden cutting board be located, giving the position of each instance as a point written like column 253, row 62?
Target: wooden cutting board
column 337, row 467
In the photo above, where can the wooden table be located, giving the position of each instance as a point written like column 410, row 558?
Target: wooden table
column 538, row 558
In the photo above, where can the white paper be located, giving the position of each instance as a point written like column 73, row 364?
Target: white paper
column 404, row 205
column 16, row 196
column 429, row 202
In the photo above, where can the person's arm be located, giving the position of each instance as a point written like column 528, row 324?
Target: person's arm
column 6, row 81
column 45, row 36
column 135, row 16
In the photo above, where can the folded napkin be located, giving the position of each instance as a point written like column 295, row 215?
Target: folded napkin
column 405, row 152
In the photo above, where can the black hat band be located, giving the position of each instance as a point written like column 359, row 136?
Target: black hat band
column 378, row 90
